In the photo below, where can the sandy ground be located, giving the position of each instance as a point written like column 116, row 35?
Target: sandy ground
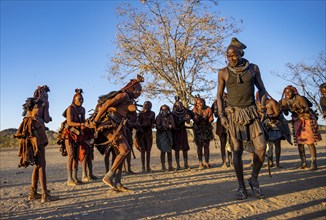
column 291, row 193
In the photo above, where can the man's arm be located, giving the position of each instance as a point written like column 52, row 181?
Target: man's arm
column 261, row 90
column 219, row 97
column 260, row 85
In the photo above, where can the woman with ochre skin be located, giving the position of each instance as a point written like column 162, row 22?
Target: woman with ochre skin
column 75, row 144
column 32, row 136
column 305, row 125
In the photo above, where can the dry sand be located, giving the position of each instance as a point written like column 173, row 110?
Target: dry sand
column 291, row 193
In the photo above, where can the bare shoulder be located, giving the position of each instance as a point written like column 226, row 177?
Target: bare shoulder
column 255, row 69
column 222, row 73
column 69, row 108
column 271, row 102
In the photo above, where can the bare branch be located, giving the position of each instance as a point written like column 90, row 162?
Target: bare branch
column 176, row 45
column 307, row 78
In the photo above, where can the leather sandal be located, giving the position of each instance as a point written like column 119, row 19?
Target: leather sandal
column 241, row 194
column 256, row 189
column 108, row 182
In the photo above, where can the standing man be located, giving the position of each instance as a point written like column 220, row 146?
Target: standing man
column 241, row 117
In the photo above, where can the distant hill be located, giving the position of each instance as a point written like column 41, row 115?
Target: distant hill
column 7, row 138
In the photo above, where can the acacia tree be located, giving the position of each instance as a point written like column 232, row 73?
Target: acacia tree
column 175, row 45
column 307, row 78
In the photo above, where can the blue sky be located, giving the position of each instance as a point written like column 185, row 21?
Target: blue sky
column 67, row 45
